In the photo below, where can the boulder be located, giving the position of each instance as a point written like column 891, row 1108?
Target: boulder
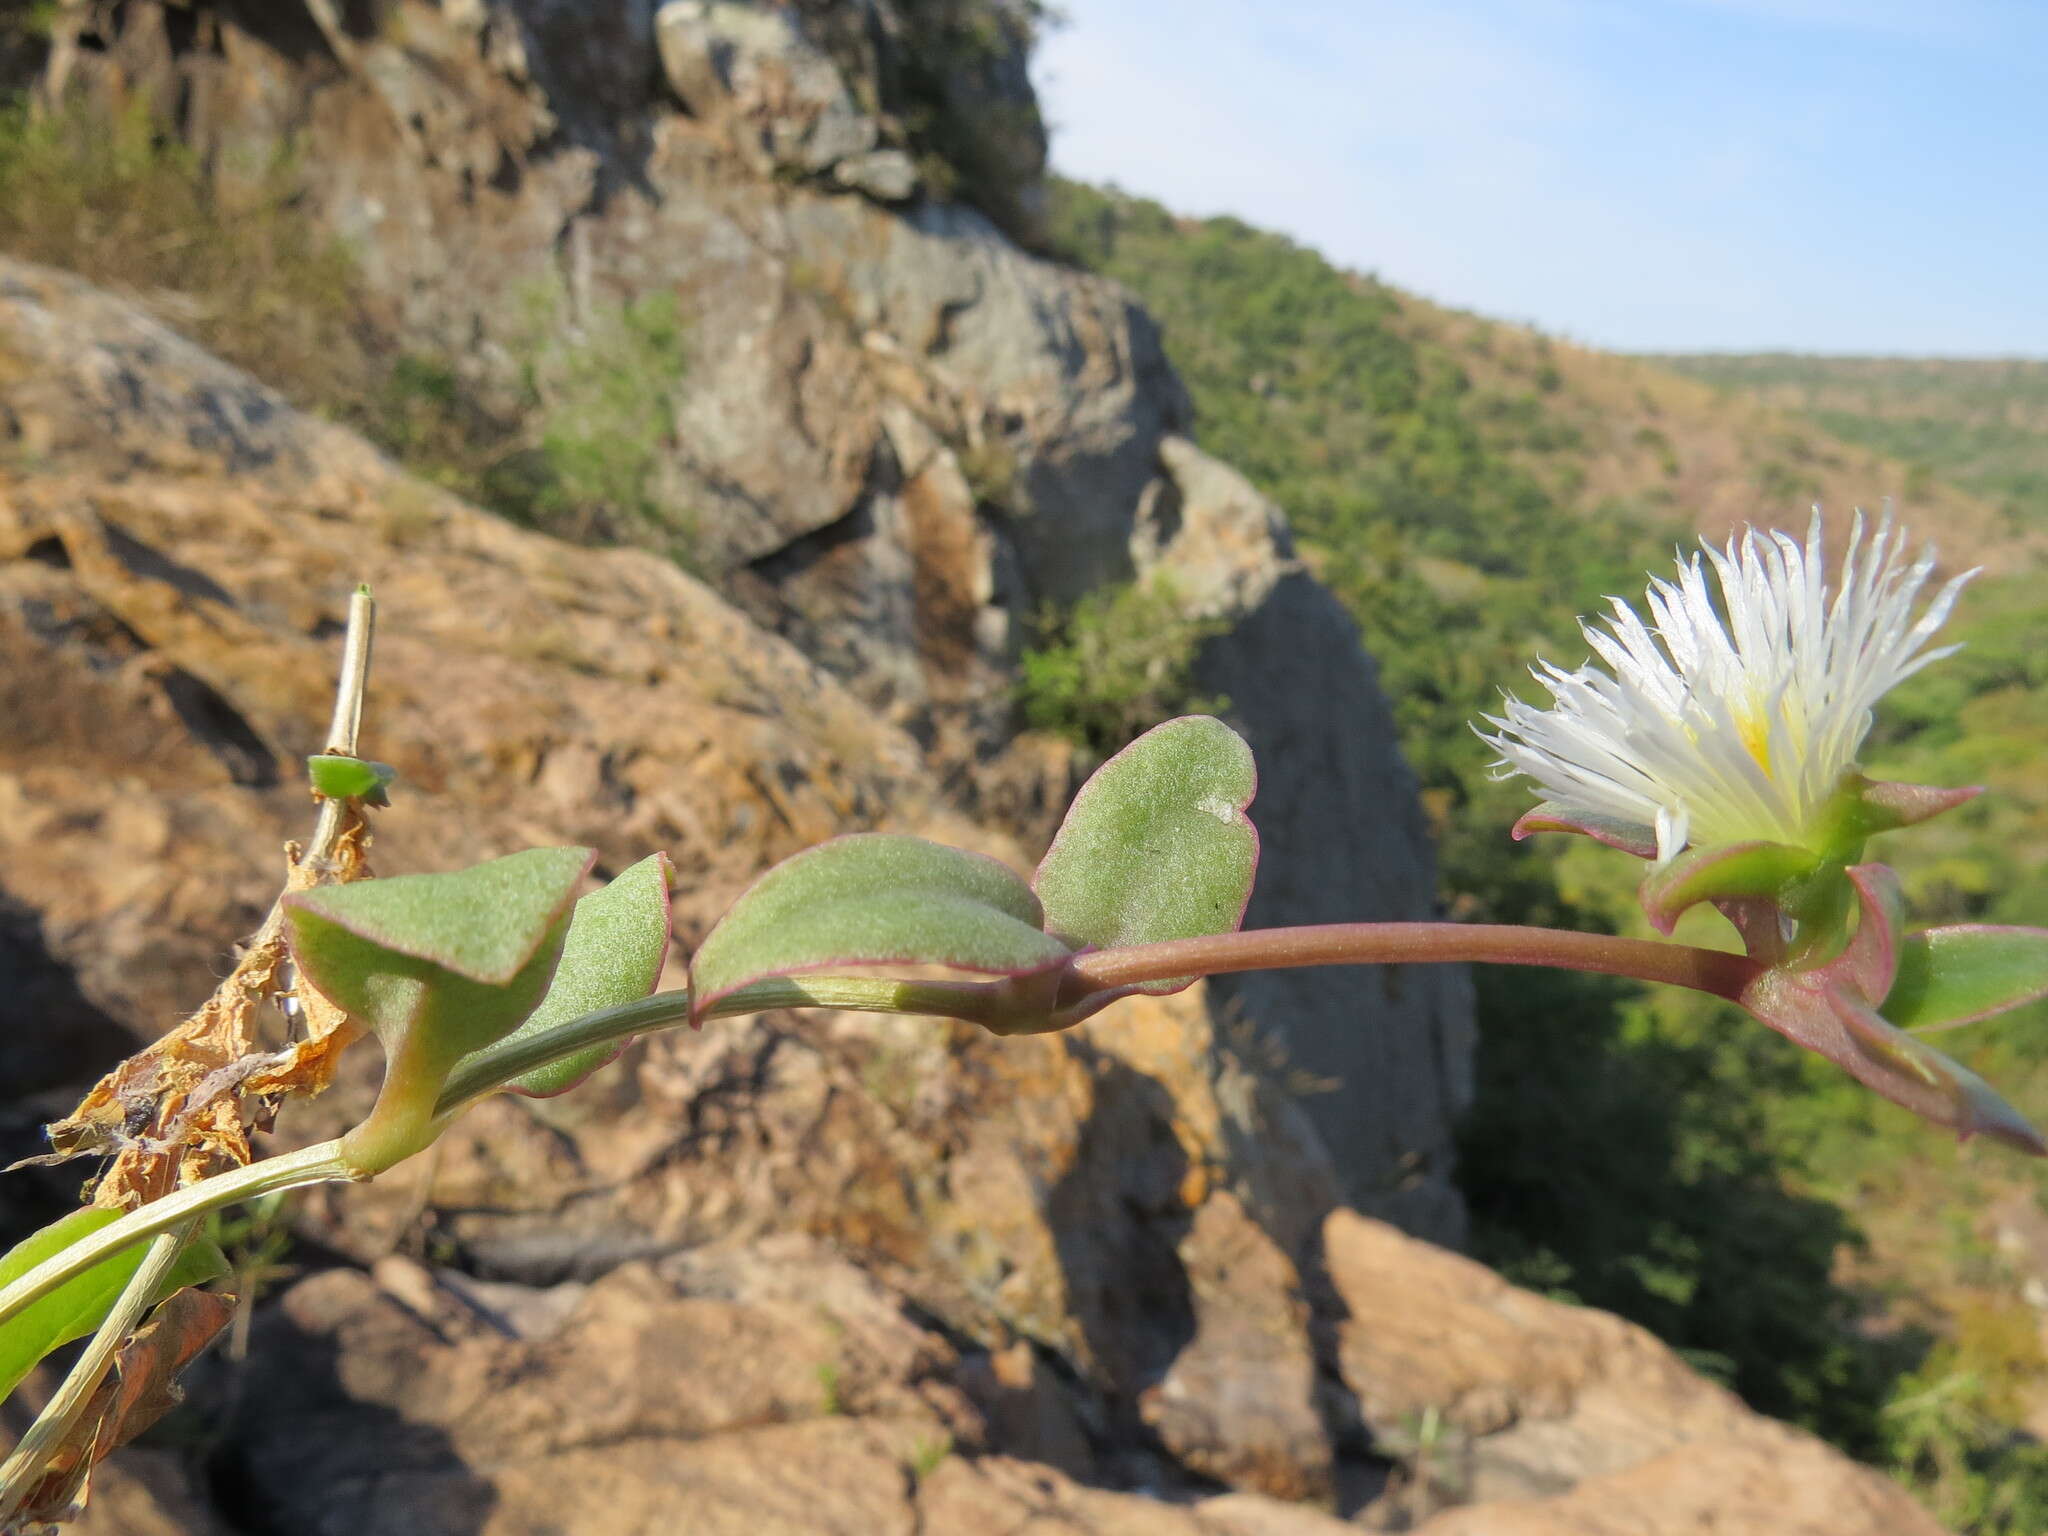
column 749, row 70
column 1547, row 1419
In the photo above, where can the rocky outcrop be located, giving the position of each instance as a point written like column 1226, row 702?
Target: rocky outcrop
column 405, row 1400
column 898, row 434
column 1292, row 668
column 1547, row 1418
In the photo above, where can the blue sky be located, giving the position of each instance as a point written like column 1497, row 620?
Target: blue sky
column 1810, row 175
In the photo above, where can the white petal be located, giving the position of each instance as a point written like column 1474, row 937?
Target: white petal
column 1735, row 710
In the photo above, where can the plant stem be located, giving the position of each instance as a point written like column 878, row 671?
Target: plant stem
column 1680, row 965
column 343, row 729
column 23, row 1470
column 989, row 1003
column 318, row 1164
column 498, row 1064
column 349, row 687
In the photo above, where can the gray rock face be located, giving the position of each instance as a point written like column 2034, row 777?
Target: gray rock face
column 750, row 70
column 1342, row 840
column 897, row 433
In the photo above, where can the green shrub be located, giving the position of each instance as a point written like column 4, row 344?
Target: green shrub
column 1118, row 662
column 601, row 402
column 227, row 256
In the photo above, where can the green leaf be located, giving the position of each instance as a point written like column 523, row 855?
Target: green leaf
column 875, row 898
column 452, row 960
column 350, row 778
column 77, row 1307
column 1950, row 976
column 617, row 940
column 1157, row 846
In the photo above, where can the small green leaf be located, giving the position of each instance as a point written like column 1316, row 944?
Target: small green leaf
column 618, row 938
column 350, row 778
column 1157, row 846
column 874, row 898
column 81, row 1304
column 439, row 965
column 1950, row 976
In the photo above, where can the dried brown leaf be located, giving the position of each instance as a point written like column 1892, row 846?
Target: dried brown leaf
column 140, row 1388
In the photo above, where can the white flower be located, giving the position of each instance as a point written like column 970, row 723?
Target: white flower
column 1727, row 726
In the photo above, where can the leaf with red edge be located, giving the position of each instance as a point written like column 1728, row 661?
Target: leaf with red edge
column 874, row 898
column 1157, row 846
column 483, row 922
column 1951, row 976
column 613, row 954
column 463, row 956
column 1551, row 816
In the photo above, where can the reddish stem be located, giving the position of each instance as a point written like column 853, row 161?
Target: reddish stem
column 1679, row 965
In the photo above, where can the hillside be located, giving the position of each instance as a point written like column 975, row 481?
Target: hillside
column 1468, row 487
column 1980, row 425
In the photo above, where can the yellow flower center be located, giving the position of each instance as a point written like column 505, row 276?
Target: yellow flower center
column 1753, row 724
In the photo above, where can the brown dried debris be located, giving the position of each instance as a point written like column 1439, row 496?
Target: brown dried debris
column 185, row 1106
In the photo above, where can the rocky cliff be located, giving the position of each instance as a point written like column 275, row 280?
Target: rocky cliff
column 1110, row 1280
column 852, row 354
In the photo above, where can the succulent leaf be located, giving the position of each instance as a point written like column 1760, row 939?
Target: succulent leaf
column 1157, row 846
column 1951, row 976
column 612, row 954
column 875, row 898
column 437, row 966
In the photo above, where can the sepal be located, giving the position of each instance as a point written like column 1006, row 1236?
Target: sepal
column 1551, row 816
column 1864, row 807
column 1826, row 1008
column 1772, row 873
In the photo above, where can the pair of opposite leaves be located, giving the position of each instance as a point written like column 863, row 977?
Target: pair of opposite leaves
column 1156, row 846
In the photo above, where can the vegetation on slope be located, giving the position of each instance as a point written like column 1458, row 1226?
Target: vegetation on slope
column 1468, row 488
column 1981, row 425
column 231, row 261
